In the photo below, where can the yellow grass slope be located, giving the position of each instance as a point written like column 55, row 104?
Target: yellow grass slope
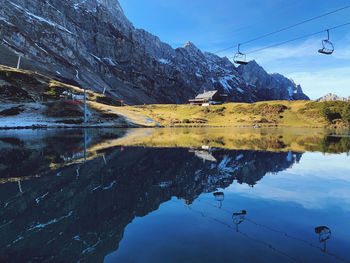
column 271, row 113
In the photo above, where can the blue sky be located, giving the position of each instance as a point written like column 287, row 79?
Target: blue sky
column 214, row 25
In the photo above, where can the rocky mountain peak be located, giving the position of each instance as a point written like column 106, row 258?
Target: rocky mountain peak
column 189, row 45
column 192, row 49
column 271, row 85
column 333, row 97
column 92, row 43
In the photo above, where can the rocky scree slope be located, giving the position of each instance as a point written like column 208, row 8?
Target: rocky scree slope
column 93, row 44
column 269, row 86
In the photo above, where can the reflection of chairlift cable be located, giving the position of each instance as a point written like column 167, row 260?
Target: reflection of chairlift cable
column 283, row 233
column 244, row 234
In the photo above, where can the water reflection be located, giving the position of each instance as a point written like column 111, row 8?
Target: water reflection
column 324, row 233
column 202, row 140
column 68, row 196
column 220, row 197
column 238, row 218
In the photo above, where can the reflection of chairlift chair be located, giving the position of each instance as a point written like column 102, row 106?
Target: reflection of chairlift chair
column 324, row 235
column 238, row 218
column 240, row 58
column 327, row 46
column 219, row 196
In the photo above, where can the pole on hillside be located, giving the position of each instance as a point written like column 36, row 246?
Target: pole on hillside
column 19, row 61
column 85, row 105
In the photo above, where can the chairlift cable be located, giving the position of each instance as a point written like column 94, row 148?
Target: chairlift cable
column 297, row 38
column 285, row 28
column 295, row 25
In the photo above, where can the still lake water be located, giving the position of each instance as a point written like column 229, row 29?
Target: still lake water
column 174, row 195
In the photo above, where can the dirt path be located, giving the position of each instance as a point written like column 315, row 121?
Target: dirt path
column 130, row 116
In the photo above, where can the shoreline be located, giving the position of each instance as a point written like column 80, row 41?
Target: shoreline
column 135, row 126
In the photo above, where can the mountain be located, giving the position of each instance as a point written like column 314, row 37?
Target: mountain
column 91, row 43
column 333, row 97
column 269, row 86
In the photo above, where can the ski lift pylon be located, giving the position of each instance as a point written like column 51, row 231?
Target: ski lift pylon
column 327, row 46
column 239, row 57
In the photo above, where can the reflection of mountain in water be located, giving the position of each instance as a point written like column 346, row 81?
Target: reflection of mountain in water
column 29, row 153
column 81, row 212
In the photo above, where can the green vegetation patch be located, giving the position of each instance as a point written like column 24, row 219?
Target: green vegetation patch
column 63, row 110
column 263, row 109
column 15, row 94
column 346, row 113
column 108, row 101
column 53, row 91
column 12, row 111
column 16, row 76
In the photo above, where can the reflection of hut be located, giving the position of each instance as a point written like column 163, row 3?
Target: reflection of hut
column 209, row 98
column 204, row 153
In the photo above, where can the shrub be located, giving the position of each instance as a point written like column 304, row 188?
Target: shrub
column 219, row 110
column 186, row 121
column 263, row 120
column 325, row 112
column 346, row 113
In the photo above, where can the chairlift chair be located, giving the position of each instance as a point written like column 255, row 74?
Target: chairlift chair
column 240, row 58
column 327, row 46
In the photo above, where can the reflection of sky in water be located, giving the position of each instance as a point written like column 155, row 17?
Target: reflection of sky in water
column 317, row 182
column 282, row 212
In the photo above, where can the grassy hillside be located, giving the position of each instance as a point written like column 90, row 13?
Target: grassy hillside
column 271, row 113
column 29, row 97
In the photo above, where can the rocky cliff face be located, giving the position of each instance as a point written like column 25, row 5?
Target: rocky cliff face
column 93, row 44
column 333, row 97
column 269, row 86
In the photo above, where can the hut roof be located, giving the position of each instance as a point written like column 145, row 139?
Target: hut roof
column 207, row 95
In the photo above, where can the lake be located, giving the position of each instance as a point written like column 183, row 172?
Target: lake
column 175, row 195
